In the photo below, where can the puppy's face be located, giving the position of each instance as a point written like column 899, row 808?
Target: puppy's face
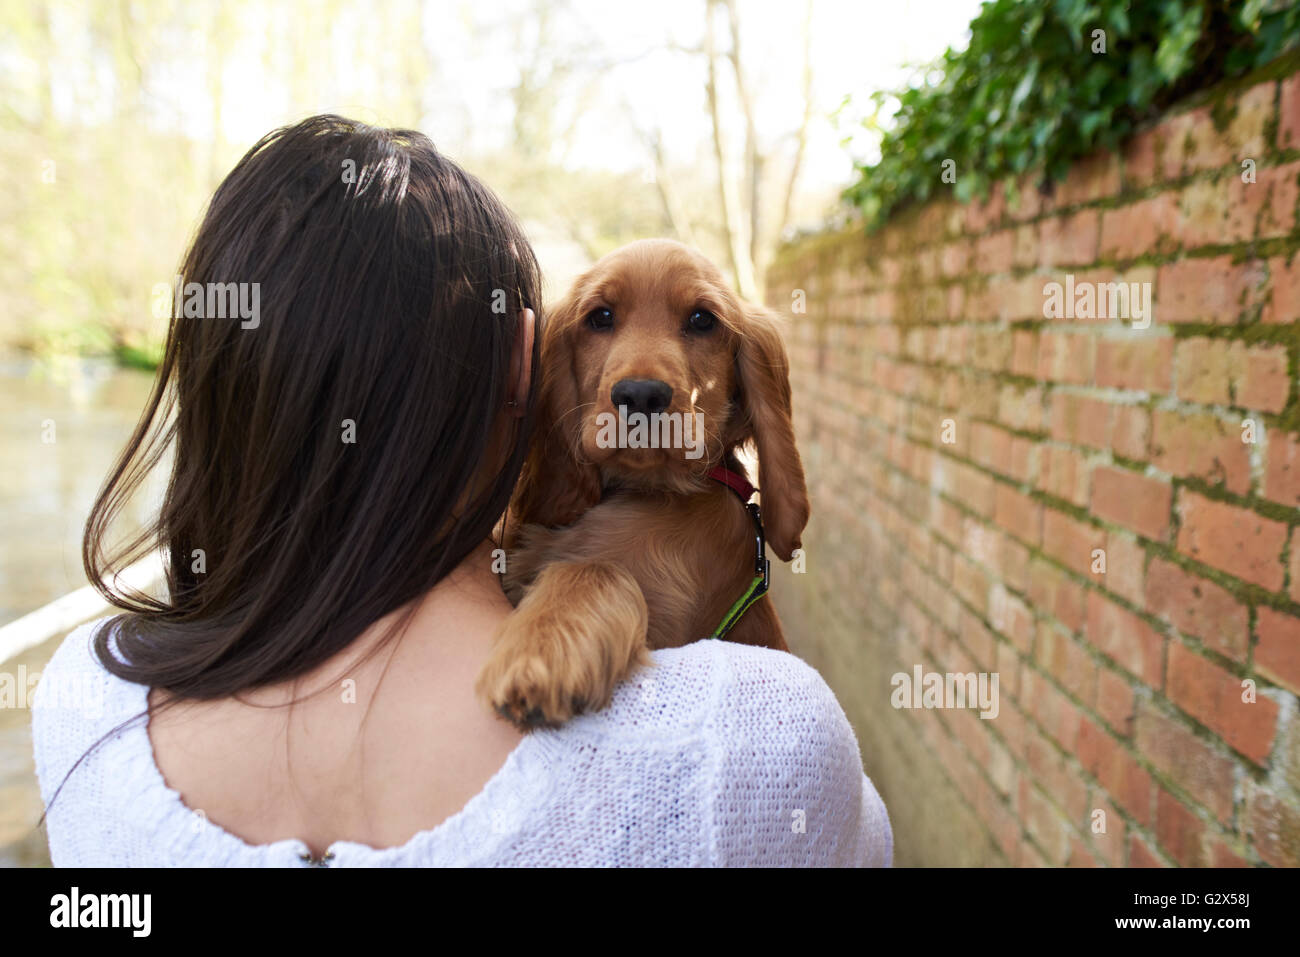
column 652, row 332
column 651, row 337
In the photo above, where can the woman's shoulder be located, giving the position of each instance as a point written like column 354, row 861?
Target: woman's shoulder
column 762, row 737
column 734, row 686
column 77, row 701
column 75, row 677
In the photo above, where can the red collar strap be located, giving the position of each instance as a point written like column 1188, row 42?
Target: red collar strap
column 734, row 481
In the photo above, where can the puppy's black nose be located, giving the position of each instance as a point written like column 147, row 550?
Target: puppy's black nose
column 646, row 396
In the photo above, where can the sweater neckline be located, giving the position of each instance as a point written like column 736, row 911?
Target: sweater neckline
column 187, row 831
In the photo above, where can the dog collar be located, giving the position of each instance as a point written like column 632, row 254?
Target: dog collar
column 758, row 586
column 734, row 481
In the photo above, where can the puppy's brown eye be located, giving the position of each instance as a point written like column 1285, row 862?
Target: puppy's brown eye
column 600, row 319
column 701, row 320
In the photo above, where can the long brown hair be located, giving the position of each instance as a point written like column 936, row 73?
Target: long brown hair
column 390, row 285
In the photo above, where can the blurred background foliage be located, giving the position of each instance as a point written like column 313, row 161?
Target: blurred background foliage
column 1033, row 90
column 118, row 118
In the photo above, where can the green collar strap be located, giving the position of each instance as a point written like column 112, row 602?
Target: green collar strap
column 758, row 586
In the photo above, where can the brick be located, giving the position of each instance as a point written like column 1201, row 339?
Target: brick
column 1018, row 514
column 1138, row 229
column 972, row 488
column 1274, row 828
column 1295, row 565
column 1055, row 776
column 1109, row 842
column 1274, row 202
column 1116, row 770
column 1219, row 372
column 1265, row 383
column 1135, row 501
column 1024, row 353
column 1194, row 766
column 1222, row 855
column 1011, row 724
column 1140, row 169
column 1244, row 137
column 1014, row 563
column 1284, row 304
column 1204, row 370
column 1141, row 855
column 993, row 253
column 1115, row 701
column 1198, row 607
column 1288, row 126
column 946, row 519
column 1008, row 669
column 1063, row 473
column 1057, row 715
column 1207, row 216
column 1067, row 661
column 1225, row 210
column 982, row 213
column 1044, row 824
column 1277, row 656
column 971, row 583
column 1211, row 289
column 1200, row 445
column 1232, row 539
column 1213, row 696
column 1066, row 357
column 1080, row 420
column 1144, row 365
column 1125, row 573
column 1132, row 433
column 1021, row 408
column 1012, row 617
column 954, row 258
column 1052, row 592
column 989, row 446
column 1179, row 831
column 1069, row 240
column 1282, row 476
column 1090, row 178
column 1132, row 643
column 1080, row 854
column 1024, row 251
column 979, row 641
column 1070, row 541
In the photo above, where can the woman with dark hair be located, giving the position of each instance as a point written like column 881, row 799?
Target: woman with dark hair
column 346, row 394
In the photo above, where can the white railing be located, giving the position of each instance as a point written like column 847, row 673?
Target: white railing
column 63, row 614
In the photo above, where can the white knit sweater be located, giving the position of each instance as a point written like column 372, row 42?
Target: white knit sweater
column 716, row 754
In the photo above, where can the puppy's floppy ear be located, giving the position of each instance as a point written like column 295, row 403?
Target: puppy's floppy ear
column 763, row 373
column 556, row 485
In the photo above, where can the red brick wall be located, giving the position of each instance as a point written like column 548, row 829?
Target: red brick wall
column 1121, row 691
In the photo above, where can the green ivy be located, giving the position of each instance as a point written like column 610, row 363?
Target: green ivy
column 1030, row 95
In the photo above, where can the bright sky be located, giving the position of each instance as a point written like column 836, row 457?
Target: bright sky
column 858, row 46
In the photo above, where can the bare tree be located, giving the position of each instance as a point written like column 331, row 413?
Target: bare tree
column 742, row 264
column 748, row 238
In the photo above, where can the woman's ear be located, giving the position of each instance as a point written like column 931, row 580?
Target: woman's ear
column 557, row 484
column 763, row 374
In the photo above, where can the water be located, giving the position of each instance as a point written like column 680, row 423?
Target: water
column 62, row 429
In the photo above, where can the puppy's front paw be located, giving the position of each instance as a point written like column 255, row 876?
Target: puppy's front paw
column 576, row 634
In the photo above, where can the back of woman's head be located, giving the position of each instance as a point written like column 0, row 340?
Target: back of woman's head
column 336, row 412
